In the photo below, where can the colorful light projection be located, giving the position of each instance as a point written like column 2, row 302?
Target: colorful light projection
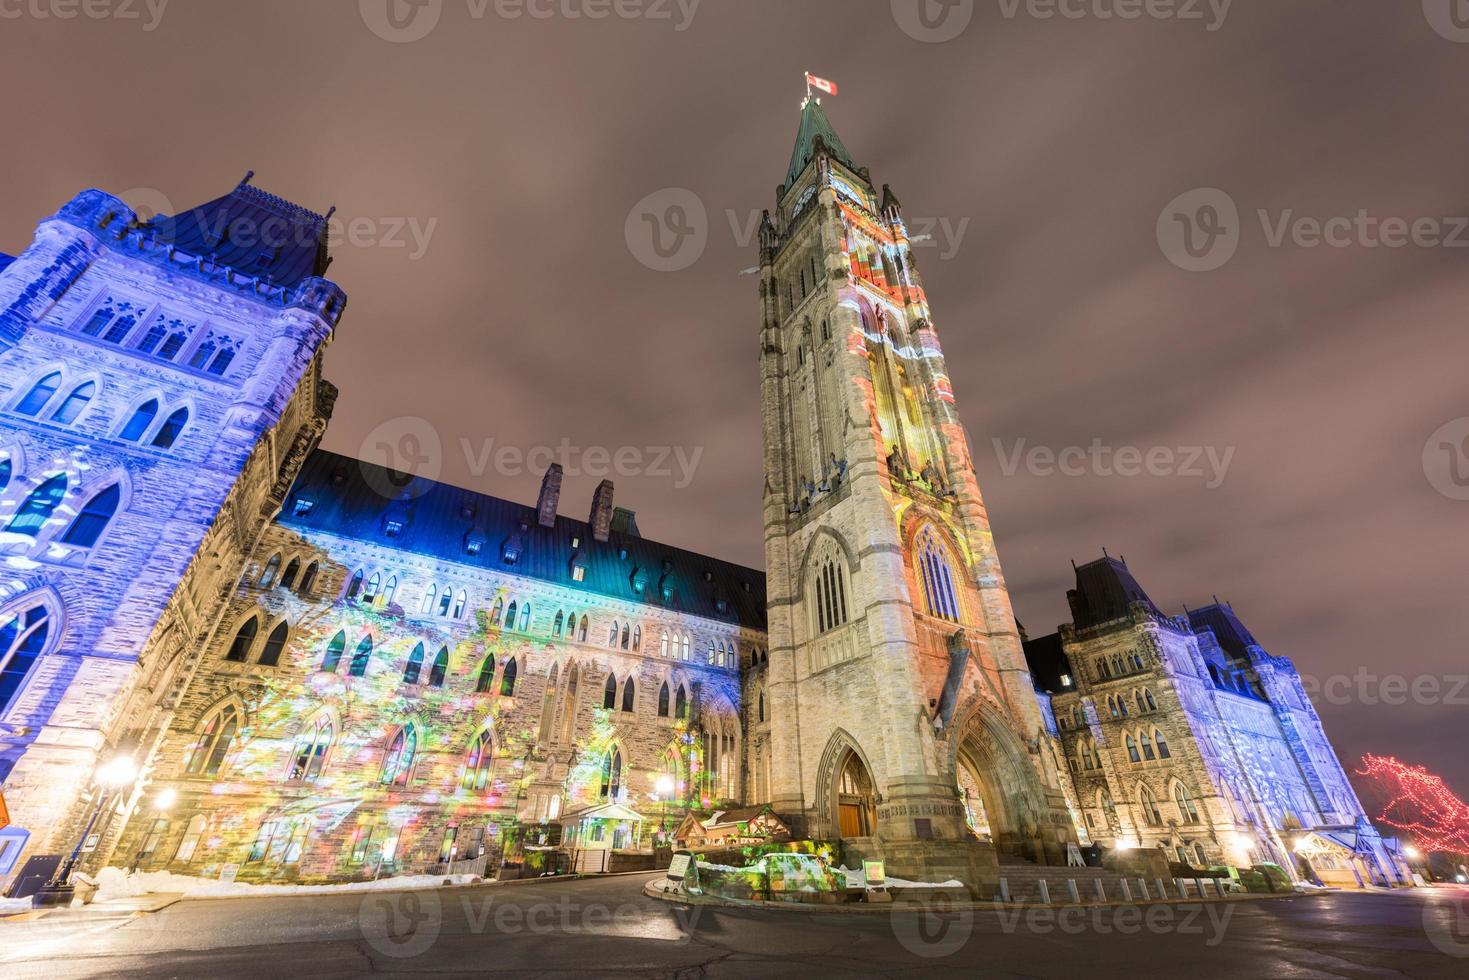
column 1420, row 804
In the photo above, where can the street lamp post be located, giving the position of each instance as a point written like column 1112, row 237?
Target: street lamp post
column 112, row 776
column 665, row 790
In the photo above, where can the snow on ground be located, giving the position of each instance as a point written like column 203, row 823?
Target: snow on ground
column 858, row 879
column 116, row 883
column 12, row 905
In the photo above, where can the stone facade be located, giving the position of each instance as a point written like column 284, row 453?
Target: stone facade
column 895, row 664
column 194, row 390
column 525, row 719
column 335, row 670
column 1182, row 733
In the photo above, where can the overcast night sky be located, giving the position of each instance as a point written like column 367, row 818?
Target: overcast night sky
column 1039, row 153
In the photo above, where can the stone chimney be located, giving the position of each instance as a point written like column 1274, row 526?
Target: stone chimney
column 601, row 519
column 550, row 496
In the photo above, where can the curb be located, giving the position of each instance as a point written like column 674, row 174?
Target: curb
column 653, row 891
column 30, row 915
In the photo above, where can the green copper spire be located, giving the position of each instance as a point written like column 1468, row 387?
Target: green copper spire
column 813, row 124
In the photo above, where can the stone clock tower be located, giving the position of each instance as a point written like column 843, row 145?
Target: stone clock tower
column 903, row 718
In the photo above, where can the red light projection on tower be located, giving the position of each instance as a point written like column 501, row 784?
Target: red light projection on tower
column 1420, row 804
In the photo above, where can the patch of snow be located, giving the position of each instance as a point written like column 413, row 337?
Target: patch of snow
column 113, row 883
column 10, row 905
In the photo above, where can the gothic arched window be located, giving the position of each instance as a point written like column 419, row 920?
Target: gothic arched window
column 477, row 764
column 23, row 636
column 309, row 579
column 1163, row 752
column 209, row 752
column 288, row 577
column 496, row 611
column 663, row 695
column 830, row 593
column 938, row 581
column 1132, row 752
column 38, row 507
column 663, row 645
column 309, row 755
column 92, row 521
column 142, row 418
column 507, row 679
column 681, row 704
column 461, row 601
column 40, row 393
column 270, row 655
column 629, row 695
column 333, row 658
column 239, row 650
column 374, row 586
column 414, row 670
column 637, row 638
column 360, row 658
column 1186, row 809
column 1151, row 813
column 585, row 626
column 556, row 624
column 398, row 763
column 612, row 635
column 440, row 669
column 354, row 586
column 611, row 774
column 429, row 598
column 67, row 412
column 168, row 432
column 609, row 692
column 486, row 676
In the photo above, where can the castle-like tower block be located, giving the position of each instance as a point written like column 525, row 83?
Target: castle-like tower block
column 904, row 720
column 159, row 388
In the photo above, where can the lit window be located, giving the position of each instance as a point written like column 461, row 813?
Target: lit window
column 67, row 412
column 578, row 573
column 214, row 742
column 23, row 637
column 40, row 393
column 92, row 521
column 168, row 432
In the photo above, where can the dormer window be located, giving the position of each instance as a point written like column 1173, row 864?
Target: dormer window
column 622, row 554
column 722, row 605
column 639, row 581
column 1065, row 680
column 576, row 542
column 303, row 506
column 511, row 551
column 392, row 528
column 578, row 573
column 473, row 546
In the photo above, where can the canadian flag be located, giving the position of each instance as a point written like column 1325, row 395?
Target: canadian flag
column 830, row 88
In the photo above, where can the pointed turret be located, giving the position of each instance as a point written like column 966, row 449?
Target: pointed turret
column 815, row 131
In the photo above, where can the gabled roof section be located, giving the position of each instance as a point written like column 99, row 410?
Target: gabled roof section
column 1232, row 635
column 813, row 124
column 347, row 497
column 1105, row 590
column 255, row 233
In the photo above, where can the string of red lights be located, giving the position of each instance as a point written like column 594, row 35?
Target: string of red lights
column 1420, row 804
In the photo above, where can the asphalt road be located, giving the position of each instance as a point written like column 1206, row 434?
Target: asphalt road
column 597, row 927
